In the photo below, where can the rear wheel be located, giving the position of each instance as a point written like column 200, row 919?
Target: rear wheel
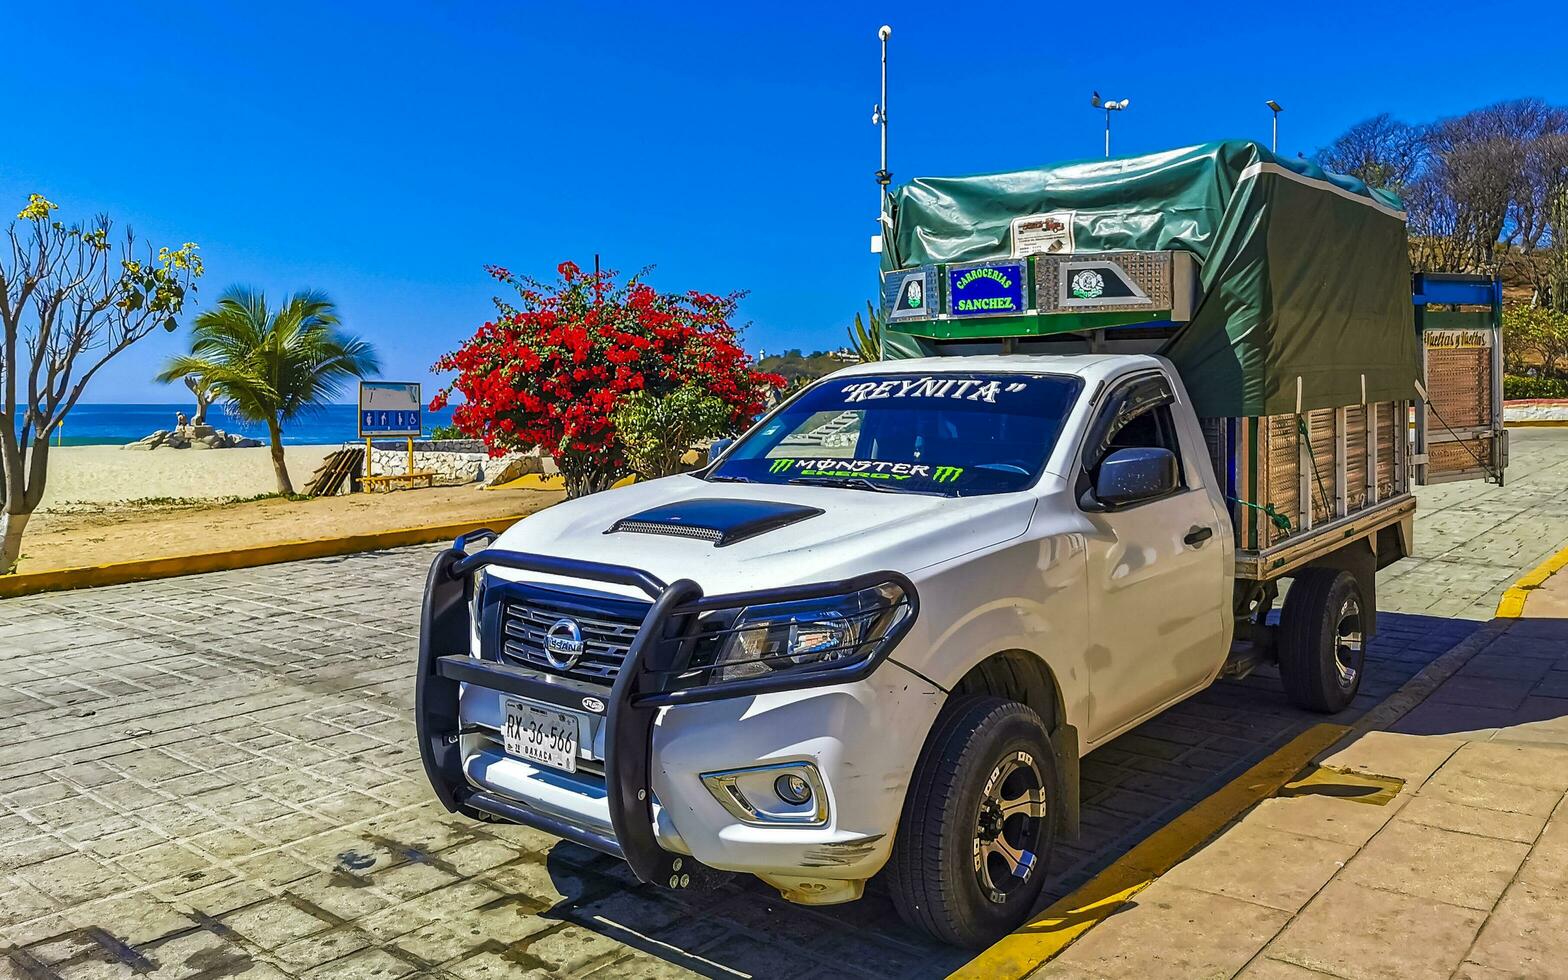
column 1322, row 648
column 978, row 824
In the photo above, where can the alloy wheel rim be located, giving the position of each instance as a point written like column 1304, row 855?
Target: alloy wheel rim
column 1349, row 648
column 1009, row 827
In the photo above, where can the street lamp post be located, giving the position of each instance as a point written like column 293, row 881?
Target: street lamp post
column 1110, row 106
column 1276, row 108
column 879, row 119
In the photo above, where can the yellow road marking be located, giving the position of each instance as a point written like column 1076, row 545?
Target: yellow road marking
column 1536, row 423
column 116, row 573
column 1037, row 942
column 538, row 481
column 1511, row 605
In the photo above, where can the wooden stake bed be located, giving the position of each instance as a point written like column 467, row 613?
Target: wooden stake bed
column 1300, row 486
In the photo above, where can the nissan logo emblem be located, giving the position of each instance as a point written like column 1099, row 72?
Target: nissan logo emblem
column 563, row 643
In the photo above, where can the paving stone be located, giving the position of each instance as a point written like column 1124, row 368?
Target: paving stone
column 1326, row 817
column 1484, row 692
column 1266, row 968
column 1547, row 864
column 1434, row 812
column 1524, row 935
column 1361, row 933
column 1491, row 794
column 274, row 923
column 1384, row 754
column 1218, row 936
column 368, row 964
column 1263, row 865
column 1428, row 862
column 1539, row 766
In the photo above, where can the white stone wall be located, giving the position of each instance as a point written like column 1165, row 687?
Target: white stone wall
column 460, row 462
column 449, row 467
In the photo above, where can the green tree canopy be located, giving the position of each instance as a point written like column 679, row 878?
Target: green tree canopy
column 272, row 365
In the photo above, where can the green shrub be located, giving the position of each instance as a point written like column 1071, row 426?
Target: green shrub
column 447, row 432
column 1522, row 386
column 656, row 430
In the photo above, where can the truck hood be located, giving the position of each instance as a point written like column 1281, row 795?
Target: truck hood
column 734, row 537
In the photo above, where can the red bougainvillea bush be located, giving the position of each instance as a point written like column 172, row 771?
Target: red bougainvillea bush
column 549, row 371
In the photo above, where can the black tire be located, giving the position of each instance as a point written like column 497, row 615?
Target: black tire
column 981, row 751
column 1322, row 648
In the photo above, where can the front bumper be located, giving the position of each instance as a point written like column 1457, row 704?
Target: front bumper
column 620, row 814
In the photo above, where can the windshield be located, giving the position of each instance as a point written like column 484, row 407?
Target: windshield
column 953, row 434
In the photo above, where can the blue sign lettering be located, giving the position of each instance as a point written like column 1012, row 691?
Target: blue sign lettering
column 992, row 289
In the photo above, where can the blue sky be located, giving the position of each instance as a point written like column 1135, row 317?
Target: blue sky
column 384, row 152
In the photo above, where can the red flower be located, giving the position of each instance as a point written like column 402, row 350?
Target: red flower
column 550, row 371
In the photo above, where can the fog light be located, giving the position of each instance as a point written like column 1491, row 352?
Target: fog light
column 792, row 789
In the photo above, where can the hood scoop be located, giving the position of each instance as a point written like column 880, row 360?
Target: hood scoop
column 719, row 520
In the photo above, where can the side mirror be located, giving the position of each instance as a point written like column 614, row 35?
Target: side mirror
column 1130, row 476
column 717, row 448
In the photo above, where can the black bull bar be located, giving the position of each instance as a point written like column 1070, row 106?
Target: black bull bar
column 647, row 681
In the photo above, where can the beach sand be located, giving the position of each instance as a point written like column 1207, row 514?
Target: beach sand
column 107, row 474
column 110, row 533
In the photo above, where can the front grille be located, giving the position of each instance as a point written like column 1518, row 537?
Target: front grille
column 607, row 633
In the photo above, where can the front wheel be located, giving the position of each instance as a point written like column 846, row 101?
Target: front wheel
column 1322, row 645
column 978, row 824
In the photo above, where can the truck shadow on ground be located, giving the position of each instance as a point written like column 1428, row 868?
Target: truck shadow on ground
column 1131, row 787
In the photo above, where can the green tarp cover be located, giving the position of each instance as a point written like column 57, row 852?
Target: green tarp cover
column 1305, row 273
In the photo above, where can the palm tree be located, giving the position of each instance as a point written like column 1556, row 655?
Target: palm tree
column 272, row 365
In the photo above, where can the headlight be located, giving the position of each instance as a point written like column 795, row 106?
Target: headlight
column 832, row 631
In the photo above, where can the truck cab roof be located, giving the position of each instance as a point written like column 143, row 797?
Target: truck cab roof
column 1090, row 367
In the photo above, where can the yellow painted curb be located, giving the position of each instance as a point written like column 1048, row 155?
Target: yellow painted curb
column 1536, row 423
column 532, row 481
column 1511, row 605
column 538, row 481
column 1022, row 952
column 60, row 579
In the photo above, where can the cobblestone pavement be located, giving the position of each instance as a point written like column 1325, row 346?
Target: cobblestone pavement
column 215, row 776
column 1472, row 539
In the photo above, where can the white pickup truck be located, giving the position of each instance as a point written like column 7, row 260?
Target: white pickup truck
column 1121, row 402
column 878, row 631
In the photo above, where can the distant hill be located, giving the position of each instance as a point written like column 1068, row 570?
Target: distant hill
column 798, row 368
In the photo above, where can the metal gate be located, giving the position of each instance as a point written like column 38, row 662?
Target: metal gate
column 1459, row 432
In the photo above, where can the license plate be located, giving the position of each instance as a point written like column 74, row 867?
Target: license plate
column 541, row 734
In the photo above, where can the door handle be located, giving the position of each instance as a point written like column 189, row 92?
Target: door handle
column 1197, row 535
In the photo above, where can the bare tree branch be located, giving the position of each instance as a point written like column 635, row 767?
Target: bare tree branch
column 71, row 302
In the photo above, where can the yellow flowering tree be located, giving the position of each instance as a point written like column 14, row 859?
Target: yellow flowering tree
column 72, row 297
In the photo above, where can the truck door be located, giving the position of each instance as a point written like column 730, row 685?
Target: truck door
column 1459, row 432
column 1157, row 589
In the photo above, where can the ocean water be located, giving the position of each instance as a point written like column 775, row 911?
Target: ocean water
column 115, row 424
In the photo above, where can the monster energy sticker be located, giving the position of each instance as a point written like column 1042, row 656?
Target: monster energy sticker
column 865, row 469
column 1043, row 234
column 908, row 295
column 926, row 386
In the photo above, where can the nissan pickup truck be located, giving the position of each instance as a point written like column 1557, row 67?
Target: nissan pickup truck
column 881, row 630
column 878, row 633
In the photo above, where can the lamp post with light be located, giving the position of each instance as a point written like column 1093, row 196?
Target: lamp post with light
column 1110, row 106
column 879, row 119
column 1276, row 108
